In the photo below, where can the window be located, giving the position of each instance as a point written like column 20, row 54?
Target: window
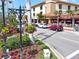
column 33, row 9
column 69, row 7
column 60, row 6
column 60, row 11
column 75, row 7
column 41, row 13
column 41, row 7
column 33, row 14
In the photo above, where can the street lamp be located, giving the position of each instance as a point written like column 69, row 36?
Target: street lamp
column 20, row 18
column 4, row 24
column 21, row 11
column 3, row 11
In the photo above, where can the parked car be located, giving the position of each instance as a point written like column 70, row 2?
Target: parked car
column 52, row 27
column 44, row 26
column 41, row 25
column 59, row 28
column 56, row 27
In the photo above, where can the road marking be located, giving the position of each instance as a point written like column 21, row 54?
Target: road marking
column 70, row 40
column 72, row 54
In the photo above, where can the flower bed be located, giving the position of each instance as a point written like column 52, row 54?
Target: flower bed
column 34, row 51
column 7, row 31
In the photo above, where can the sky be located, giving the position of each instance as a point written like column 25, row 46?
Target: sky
column 17, row 3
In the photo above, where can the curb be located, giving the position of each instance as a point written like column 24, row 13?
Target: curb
column 59, row 56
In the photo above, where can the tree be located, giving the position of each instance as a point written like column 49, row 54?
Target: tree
column 58, row 13
column 40, row 17
column 12, row 19
column 25, row 17
column 30, row 28
column 71, row 13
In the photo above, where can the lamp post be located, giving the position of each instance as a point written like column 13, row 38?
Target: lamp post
column 20, row 10
column 5, row 47
column 20, row 18
column 28, row 7
column 3, row 11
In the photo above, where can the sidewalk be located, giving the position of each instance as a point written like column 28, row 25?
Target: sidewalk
column 68, row 28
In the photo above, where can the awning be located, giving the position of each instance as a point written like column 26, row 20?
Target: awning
column 50, row 15
column 76, row 17
column 65, row 17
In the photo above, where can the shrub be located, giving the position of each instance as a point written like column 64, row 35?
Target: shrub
column 30, row 28
column 45, row 47
column 39, row 42
column 5, row 30
column 13, row 43
column 25, row 40
column 1, row 44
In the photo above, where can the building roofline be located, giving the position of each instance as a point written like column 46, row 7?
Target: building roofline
column 56, row 2
column 38, row 4
column 68, row 3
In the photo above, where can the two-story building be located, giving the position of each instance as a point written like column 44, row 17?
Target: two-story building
column 48, row 8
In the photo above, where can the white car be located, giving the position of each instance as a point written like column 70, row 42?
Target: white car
column 45, row 26
column 42, row 25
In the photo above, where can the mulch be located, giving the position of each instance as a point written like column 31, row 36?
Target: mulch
column 15, row 54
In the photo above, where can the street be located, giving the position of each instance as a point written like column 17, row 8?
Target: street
column 66, row 43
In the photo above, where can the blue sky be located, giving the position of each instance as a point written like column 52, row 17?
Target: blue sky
column 17, row 3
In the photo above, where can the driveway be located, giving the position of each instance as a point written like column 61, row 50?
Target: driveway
column 66, row 43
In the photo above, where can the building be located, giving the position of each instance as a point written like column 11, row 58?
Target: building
column 48, row 8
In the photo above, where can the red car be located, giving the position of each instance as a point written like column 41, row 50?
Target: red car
column 56, row 27
column 52, row 27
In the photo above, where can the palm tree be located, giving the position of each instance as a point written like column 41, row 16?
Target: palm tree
column 41, row 17
column 71, row 13
column 58, row 13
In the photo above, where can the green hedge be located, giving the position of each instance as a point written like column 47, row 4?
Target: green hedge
column 14, row 43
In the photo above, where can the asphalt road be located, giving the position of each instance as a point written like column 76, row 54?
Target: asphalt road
column 66, row 43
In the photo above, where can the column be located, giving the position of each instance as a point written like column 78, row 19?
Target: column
column 49, row 21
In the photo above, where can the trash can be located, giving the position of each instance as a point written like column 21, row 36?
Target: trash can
column 46, row 53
